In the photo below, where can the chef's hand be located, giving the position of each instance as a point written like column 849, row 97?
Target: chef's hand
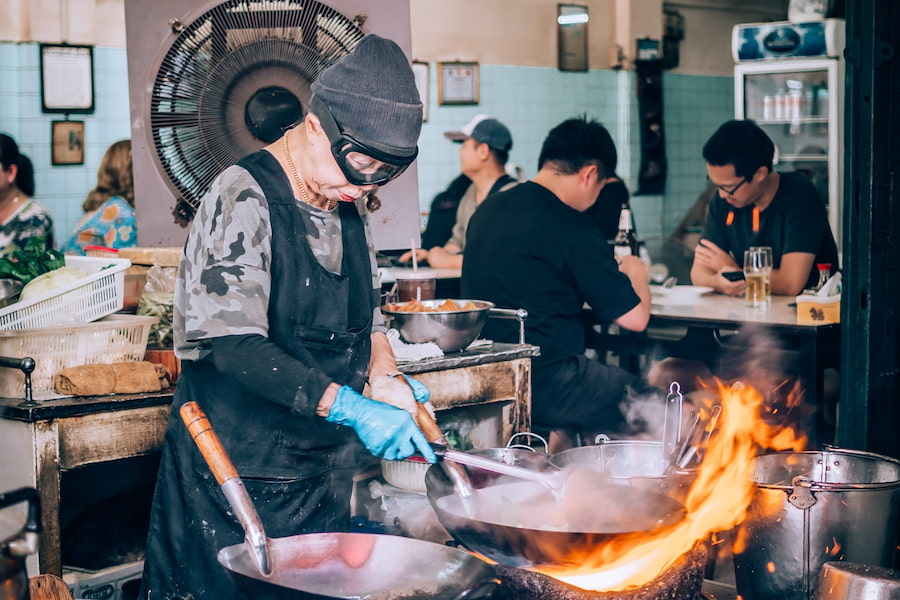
column 401, row 391
column 384, row 430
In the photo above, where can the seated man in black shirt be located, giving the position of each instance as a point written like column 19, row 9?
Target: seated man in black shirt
column 533, row 247
column 756, row 206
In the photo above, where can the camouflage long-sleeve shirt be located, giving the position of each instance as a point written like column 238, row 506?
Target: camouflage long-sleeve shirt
column 229, row 242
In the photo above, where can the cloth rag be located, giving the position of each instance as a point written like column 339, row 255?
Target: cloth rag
column 404, row 352
column 116, row 378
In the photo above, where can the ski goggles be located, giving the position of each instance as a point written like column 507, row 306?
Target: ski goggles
column 362, row 164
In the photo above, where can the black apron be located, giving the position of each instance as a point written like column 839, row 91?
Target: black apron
column 298, row 470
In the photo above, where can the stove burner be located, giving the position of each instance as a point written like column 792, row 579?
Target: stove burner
column 682, row 581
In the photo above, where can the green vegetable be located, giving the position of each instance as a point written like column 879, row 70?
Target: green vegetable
column 51, row 280
column 34, row 259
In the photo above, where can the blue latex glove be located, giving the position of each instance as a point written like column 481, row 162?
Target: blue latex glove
column 420, row 392
column 384, row 430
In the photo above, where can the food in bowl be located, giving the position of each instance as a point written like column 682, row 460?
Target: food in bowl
column 419, row 306
column 451, row 330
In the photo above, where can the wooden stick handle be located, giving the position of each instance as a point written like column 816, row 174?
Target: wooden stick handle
column 429, row 426
column 208, row 442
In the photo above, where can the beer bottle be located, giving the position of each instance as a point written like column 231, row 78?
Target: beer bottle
column 625, row 242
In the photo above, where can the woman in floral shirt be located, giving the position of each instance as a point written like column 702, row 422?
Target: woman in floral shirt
column 109, row 208
column 21, row 218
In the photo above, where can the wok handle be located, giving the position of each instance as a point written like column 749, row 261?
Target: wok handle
column 222, row 468
column 208, row 442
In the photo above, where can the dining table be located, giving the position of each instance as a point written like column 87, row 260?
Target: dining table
column 700, row 324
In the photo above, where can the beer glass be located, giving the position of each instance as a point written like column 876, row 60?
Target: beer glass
column 757, row 270
column 767, row 252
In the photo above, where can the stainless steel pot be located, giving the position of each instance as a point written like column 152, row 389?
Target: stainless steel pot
column 515, row 453
column 17, row 542
column 852, row 581
column 809, row 508
column 641, row 464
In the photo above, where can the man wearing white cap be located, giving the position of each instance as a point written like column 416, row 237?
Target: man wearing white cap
column 486, row 143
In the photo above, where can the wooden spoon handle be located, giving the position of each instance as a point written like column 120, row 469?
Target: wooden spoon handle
column 429, row 426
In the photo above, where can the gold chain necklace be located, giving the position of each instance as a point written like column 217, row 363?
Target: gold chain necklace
column 300, row 184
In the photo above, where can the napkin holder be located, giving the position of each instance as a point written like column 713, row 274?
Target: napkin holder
column 817, row 310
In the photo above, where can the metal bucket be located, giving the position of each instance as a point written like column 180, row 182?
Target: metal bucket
column 810, row 508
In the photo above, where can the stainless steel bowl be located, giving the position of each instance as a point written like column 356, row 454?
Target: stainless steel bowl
column 450, row 330
column 9, row 291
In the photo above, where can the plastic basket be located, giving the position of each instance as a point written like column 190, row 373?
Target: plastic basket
column 99, row 294
column 115, row 338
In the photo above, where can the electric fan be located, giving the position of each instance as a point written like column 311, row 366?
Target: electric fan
column 212, row 82
column 233, row 80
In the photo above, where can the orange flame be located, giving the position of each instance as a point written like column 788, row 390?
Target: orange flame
column 717, row 500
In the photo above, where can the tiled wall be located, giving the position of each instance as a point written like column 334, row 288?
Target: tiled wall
column 529, row 100
column 62, row 189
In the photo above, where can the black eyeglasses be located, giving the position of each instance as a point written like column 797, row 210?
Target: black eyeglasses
column 734, row 189
column 362, row 164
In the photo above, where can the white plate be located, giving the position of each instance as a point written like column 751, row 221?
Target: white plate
column 680, row 294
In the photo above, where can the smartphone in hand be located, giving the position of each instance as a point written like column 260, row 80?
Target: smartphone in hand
column 733, row 275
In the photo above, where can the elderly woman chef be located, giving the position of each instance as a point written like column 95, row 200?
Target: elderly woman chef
column 278, row 328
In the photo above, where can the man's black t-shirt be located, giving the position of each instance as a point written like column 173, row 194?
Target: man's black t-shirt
column 527, row 249
column 795, row 221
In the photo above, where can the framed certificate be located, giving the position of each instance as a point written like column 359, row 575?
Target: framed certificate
column 420, row 70
column 67, row 79
column 458, row 83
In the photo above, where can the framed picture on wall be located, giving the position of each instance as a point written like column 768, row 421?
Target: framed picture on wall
column 67, row 79
column 67, row 143
column 458, row 83
column 420, row 70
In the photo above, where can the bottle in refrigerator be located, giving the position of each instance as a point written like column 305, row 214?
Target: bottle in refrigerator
column 768, row 108
column 780, row 105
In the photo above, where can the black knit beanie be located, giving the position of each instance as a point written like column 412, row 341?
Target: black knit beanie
column 371, row 93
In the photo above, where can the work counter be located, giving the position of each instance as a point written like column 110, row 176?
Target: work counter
column 41, row 440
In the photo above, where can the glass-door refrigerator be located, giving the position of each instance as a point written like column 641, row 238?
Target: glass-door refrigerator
column 789, row 78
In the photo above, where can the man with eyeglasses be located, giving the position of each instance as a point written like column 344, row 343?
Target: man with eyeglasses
column 756, row 206
column 278, row 328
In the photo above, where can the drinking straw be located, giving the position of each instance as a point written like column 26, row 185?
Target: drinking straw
column 412, row 242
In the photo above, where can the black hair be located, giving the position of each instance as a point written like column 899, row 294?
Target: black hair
column 578, row 142
column 501, row 156
column 741, row 144
column 9, row 156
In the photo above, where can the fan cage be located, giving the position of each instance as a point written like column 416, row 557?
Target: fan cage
column 213, row 67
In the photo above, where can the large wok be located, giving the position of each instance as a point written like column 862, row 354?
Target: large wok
column 333, row 565
column 523, row 524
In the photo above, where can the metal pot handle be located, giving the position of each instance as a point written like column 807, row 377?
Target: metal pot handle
column 28, row 542
column 525, row 446
column 520, row 314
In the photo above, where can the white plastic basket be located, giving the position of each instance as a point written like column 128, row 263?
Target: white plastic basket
column 115, row 338
column 99, row 294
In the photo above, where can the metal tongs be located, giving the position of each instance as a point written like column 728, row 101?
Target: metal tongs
column 695, row 443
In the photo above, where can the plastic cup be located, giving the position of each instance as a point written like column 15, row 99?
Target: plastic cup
column 415, row 284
